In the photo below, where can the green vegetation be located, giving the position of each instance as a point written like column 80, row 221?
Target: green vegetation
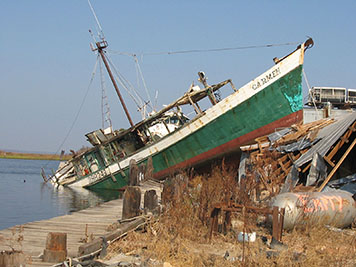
column 33, row 156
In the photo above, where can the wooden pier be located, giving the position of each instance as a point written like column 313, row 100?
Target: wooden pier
column 93, row 222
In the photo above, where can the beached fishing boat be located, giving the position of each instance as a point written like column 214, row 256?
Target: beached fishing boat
column 270, row 101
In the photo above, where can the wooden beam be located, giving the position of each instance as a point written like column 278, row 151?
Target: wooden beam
column 337, row 165
column 332, row 164
column 282, row 165
column 264, row 179
column 341, row 142
column 96, row 244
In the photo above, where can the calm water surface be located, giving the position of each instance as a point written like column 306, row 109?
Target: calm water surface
column 24, row 197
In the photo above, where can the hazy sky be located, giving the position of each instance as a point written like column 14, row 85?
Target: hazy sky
column 46, row 61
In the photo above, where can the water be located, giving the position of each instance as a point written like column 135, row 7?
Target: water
column 24, row 197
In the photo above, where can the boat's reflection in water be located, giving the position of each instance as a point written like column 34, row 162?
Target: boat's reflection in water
column 74, row 199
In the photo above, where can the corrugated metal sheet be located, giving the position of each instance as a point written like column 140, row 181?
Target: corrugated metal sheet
column 328, row 135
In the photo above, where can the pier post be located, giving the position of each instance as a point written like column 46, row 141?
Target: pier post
column 56, row 247
column 150, row 201
column 133, row 173
column 12, row 258
column 131, row 202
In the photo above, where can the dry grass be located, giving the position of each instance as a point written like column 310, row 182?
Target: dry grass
column 180, row 235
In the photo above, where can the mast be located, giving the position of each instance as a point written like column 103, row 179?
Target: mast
column 100, row 47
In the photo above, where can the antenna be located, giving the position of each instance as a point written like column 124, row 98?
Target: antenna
column 100, row 46
column 155, row 104
column 101, row 33
column 105, row 108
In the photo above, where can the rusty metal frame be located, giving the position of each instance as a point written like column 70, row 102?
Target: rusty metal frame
column 276, row 212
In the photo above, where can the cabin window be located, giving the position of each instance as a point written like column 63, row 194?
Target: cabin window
column 174, row 120
column 82, row 167
column 94, row 161
column 118, row 152
column 93, row 165
column 99, row 159
column 108, row 154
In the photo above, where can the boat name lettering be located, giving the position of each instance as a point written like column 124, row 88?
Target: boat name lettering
column 265, row 79
column 96, row 176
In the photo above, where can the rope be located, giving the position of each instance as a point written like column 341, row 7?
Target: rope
column 80, row 108
column 143, row 79
column 125, row 84
column 309, row 89
column 128, row 87
column 143, row 103
column 310, row 94
column 101, row 34
column 207, row 50
column 105, row 108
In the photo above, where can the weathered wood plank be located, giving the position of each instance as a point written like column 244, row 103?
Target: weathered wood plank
column 96, row 219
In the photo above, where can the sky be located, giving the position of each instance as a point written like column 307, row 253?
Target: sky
column 46, row 63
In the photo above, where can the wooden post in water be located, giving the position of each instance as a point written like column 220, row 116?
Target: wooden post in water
column 56, row 247
column 44, row 175
column 131, row 202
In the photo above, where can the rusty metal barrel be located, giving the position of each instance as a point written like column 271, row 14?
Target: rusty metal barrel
column 335, row 208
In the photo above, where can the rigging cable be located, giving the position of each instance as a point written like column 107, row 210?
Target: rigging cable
column 310, row 93
column 128, row 87
column 80, row 108
column 138, row 67
column 101, row 33
column 207, row 50
column 139, row 72
column 125, row 84
column 105, row 108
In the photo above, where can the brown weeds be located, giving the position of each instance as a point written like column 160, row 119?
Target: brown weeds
column 180, row 234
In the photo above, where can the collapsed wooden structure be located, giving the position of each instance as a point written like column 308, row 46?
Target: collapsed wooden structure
column 281, row 160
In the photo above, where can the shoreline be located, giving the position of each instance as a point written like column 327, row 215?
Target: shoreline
column 33, row 156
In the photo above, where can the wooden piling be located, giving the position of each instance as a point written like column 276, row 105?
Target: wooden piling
column 133, row 173
column 150, row 201
column 56, row 247
column 94, row 222
column 131, row 202
column 12, row 258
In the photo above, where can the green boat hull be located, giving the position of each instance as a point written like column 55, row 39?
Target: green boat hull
column 277, row 105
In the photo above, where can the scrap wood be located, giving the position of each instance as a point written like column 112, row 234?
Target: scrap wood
column 331, row 174
column 96, row 244
column 280, row 163
column 317, row 124
column 310, row 129
column 341, row 142
column 264, row 179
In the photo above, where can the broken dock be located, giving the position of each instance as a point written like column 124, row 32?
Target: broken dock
column 80, row 227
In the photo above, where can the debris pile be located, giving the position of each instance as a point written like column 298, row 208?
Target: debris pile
column 224, row 218
column 180, row 235
column 271, row 160
column 301, row 154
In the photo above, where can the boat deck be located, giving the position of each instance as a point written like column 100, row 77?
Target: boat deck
column 95, row 219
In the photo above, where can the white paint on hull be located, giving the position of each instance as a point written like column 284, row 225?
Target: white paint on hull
column 247, row 91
